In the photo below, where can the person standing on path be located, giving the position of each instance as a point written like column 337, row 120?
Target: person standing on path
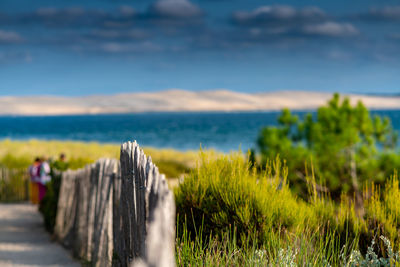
column 61, row 164
column 34, row 173
column 44, row 178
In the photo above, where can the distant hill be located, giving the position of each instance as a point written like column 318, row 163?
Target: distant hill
column 180, row 100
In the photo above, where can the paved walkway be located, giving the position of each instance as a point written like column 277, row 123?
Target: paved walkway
column 24, row 241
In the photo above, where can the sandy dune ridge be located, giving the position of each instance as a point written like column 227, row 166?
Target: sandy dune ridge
column 180, row 100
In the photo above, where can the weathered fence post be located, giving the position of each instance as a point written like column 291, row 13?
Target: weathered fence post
column 147, row 212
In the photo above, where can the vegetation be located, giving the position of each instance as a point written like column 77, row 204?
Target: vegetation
column 346, row 146
column 13, row 185
column 20, row 154
column 26, row 151
column 230, row 214
column 225, row 252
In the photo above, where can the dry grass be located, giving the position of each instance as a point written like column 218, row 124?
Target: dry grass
column 171, row 162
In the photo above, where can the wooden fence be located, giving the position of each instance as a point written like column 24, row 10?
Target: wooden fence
column 14, row 185
column 119, row 214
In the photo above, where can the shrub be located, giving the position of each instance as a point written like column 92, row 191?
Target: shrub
column 383, row 211
column 225, row 193
column 371, row 258
column 347, row 146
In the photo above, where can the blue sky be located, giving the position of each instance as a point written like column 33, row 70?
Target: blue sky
column 112, row 46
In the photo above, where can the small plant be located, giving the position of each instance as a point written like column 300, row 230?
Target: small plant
column 371, row 259
column 260, row 257
column 286, row 258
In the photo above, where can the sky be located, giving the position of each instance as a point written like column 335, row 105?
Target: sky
column 77, row 48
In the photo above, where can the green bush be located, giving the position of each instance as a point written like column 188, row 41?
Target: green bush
column 347, row 146
column 225, row 193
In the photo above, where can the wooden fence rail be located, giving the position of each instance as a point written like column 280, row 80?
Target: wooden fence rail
column 118, row 214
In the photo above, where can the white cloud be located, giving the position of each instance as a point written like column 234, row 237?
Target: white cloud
column 176, row 9
column 278, row 14
column 52, row 11
column 395, row 36
column 333, row 29
column 15, row 56
column 146, row 46
column 386, row 13
column 10, row 37
column 127, row 11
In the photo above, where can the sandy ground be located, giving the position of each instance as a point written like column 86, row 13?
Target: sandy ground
column 24, row 241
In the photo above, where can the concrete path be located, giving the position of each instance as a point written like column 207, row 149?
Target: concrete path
column 24, row 241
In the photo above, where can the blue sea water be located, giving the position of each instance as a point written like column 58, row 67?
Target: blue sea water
column 182, row 131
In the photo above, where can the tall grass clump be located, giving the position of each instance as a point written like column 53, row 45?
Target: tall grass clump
column 225, row 207
column 226, row 193
column 382, row 212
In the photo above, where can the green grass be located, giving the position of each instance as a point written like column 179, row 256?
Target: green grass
column 278, row 249
column 306, row 250
column 14, row 185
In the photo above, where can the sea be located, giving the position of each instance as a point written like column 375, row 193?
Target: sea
column 222, row 131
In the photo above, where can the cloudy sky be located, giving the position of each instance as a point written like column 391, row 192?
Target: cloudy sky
column 76, row 47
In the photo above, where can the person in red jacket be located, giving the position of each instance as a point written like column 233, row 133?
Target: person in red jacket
column 34, row 173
